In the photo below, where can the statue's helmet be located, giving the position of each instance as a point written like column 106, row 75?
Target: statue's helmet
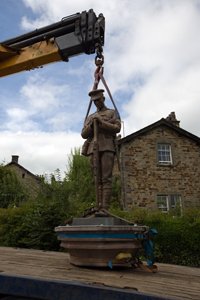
column 96, row 94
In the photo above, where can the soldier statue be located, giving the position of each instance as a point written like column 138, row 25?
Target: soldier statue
column 100, row 129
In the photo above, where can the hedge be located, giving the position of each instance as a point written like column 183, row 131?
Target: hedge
column 178, row 238
column 31, row 226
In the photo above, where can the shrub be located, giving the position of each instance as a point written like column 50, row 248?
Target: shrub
column 178, row 238
column 31, row 225
column 11, row 191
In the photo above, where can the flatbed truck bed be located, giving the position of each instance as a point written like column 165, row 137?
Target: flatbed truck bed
column 36, row 274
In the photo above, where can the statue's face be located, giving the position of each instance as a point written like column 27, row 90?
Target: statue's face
column 99, row 103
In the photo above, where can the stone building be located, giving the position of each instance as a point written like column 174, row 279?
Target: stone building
column 29, row 181
column 160, row 167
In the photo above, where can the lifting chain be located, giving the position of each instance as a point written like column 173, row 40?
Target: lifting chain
column 99, row 61
column 98, row 75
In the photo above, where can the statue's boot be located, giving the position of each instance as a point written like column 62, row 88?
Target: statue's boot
column 100, row 197
column 106, row 197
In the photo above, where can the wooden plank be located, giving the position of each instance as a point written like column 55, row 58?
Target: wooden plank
column 178, row 282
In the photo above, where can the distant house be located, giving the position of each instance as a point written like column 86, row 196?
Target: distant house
column 160, row 167
column 29, row 181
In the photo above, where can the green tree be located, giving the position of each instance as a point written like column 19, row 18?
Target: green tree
column 80, row 183
column 11, row 191
column 55, row 191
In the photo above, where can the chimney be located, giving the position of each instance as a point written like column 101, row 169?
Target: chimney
column 15, row 159
column 172, row 118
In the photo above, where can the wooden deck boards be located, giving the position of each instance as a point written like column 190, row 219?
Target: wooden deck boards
column 173, row 281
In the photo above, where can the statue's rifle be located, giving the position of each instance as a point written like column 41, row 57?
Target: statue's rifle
column 96, row 162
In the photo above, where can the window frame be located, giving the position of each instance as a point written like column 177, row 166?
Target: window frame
column 163, row 207
column 169, row 198
column 166, row 153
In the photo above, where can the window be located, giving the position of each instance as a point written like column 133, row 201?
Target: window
column 164, row 154
column 162, row 203
column 168, row 202
column 175, row 200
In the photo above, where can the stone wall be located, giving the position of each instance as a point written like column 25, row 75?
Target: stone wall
column 143, row 178
column 30, row 182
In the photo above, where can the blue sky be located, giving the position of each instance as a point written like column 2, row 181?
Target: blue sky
column 152, row 66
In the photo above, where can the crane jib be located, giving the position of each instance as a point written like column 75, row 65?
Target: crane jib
column 73, row 35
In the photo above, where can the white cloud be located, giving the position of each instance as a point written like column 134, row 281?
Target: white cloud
column 40, row 99
column 156, row 61
column 17, row 113
column 42, row 94
column 39, row 152
column 167, row 55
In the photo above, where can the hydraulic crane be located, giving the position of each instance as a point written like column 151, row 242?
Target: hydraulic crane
column 73, row 35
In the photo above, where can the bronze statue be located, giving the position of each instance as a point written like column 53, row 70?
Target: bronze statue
column 100, row 130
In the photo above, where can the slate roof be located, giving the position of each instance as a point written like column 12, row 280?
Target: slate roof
column 12, row 163
column 161, row 122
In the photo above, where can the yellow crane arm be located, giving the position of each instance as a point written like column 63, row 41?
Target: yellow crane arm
column 29, row 58
column 73, row 35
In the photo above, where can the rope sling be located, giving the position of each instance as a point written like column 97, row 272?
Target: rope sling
column 98, row 75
